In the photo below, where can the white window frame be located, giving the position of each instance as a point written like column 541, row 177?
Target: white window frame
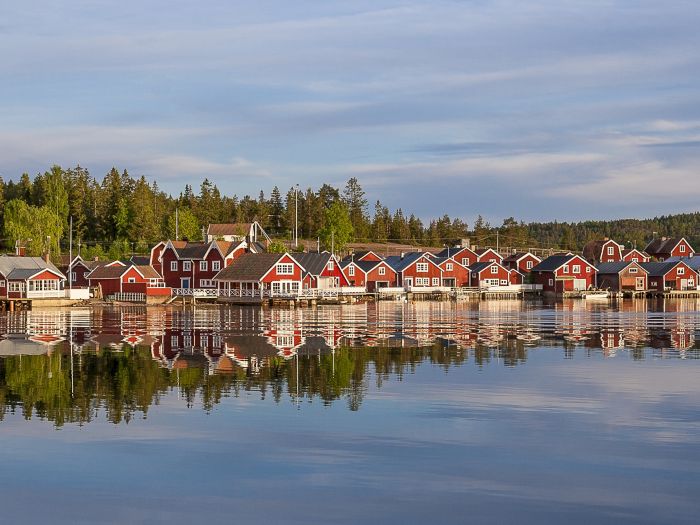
column 494, row 269
column 633, row 270
column 203, row 266
column 351, row 271
column 284, row 269
column 422, row 267
column 528, row 265
column 330, row 266
column 186, row 266
column 173, row 266
column 465, row 261
column 551, row 282
column 2, row 283
column 381, row 270
column 449, row 267
column 436, row 281
column 576, row 268
column 681, row 271
column 681, row 248
column 74, row 276
column 216, row 266
column 422, row 281
column 565, row 269
column 611, row 250
column 131, row 280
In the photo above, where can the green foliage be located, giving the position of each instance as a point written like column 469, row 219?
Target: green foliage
column 276, row 247
column 338, row 229
column 188, row 225
column 39, row 229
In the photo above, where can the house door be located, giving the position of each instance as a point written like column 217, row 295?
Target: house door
column 408, row 282
column 184, row 282
column 684, row 284
column 449, row 282
column 579, row 284
column 639, row 283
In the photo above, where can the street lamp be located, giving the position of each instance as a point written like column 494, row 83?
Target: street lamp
column 296, row 217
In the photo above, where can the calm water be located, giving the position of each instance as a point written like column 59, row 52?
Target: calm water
column 496, row 412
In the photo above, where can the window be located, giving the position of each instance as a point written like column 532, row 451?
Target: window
column 15, row 286
column 528, row 265
column 2, row 284
column 504, row 282
column 422, row 267
column 382, row 270
column 449, row 267
column 551, row 282
column 465, row 261
column 203, row 266
column 330, row 266
column 681, row 271
column 589, row 269
column 422, row 281
column 566, row 268
column 131, row 280
column 173, row 266
column 635, row 259
column 216, row 266
column 633, row 270
column 351, row 271
column 187, row 266
column 436, row 281
column 73, row 276
column 682, row 248
column 173, row 341
column 611, row 250
column 494, row 269
column 285, row 269
column 577, row 268
column 206, row 283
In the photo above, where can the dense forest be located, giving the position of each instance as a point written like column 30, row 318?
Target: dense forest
column 121, row 214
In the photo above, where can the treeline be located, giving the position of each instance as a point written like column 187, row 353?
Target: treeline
column 120, row 214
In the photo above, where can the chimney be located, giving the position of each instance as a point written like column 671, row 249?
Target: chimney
column 46, row 257
column 403, row 255
column 664, row 238
column 20, row 251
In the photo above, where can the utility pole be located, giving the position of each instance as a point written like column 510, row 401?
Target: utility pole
column 497, row 241
column 296, row 217
column 332, row 242
column 177, row 224
column 70, row 266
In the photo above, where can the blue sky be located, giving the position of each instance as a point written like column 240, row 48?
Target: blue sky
column 540, row 109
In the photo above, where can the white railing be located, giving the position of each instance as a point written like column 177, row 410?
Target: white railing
column 353, row 290
column 531, row 287
column 428, row 289
column 128, row 297
column 234, row 292
column 391, row 290
column 195, row 292
column 46, row 294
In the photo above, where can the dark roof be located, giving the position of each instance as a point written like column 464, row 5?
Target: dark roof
column 140, row 260
column 193, row 250
column 615, row 267
column 659, row 269
column 313, row 262
column 627, row 251
column 108, row 272
column 148, row 271
column 14, row 267
column 249, row 267
column 662, row 245
column 365, row 266
column 451, row 251
column 515, row 257
column 399, row 263
column 480, row 266
column 552, row 262
column 693, row 262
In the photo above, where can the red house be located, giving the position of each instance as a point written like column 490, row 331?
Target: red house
column 564, row 273
column 634, row 255
column 370, row 274
column 489, row 255
column 522, row 262
column 489, row 273
column 77, row 270
column 673, row 275
column 416, row 270
column 120, row 278
column 454, row 275
column 665, row 247
column 194, row 264
column 603, row 251
column 29, row 277
column 462, row 254
column 323, row 270
column 258, row 274
column 368, row 255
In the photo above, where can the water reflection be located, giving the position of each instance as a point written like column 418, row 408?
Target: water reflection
column 73, row 365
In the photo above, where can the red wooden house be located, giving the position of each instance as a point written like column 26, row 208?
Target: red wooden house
column 462, row 254
column 370, row 274
column 29, row 277
column 489, row 255
column 522, row 262
column 368, row 255
column 563, row 273
column 416, row 270
column 603, row 251
column 194, row 264
column 671, row 275
column 489, row 273
column 276, row 273
column 635, row 255
column 665, row 247
column 622, row 276
column 322, row 270
column 132, row 279
column 454, row 274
